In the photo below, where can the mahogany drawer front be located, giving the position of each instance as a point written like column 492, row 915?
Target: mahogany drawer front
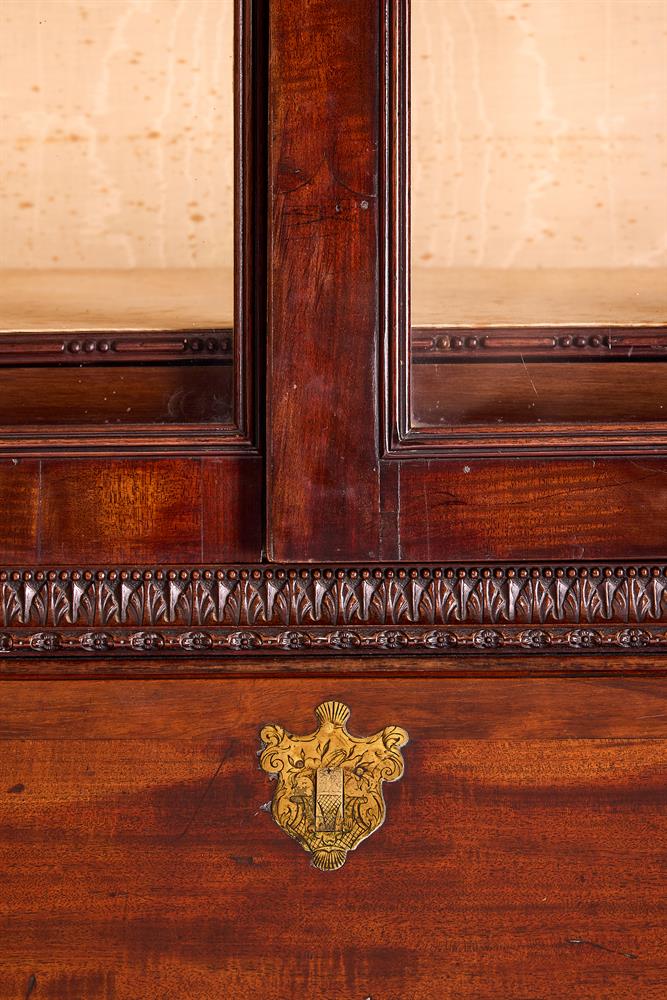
column 520, row 856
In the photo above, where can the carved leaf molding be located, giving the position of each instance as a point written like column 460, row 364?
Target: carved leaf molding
column 295, row 608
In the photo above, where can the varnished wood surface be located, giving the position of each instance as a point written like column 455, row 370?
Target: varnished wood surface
column 521, row 855
column 116, row 395
column 156, row 509
column 34, row 300
column 529, row 392
column 498, row 663
column 508, row 708
column 152, row 510
column 19, row 501
column 586, row 509
column 524, row 297
column 322, row 472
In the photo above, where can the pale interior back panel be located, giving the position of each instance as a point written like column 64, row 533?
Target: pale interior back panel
column 539, row 134
column 116, row 136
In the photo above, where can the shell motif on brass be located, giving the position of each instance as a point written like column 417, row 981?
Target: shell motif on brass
column 329, row 793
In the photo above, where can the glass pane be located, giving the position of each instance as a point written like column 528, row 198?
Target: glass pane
column 117, row 214
column 538, row 211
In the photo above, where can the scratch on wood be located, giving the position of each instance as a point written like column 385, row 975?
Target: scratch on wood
column 204, row 795
column 647, row 468
column 32, row 984
column 601, row 947
column 525, row 367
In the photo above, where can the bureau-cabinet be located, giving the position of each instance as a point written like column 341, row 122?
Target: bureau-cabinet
column 333, row 357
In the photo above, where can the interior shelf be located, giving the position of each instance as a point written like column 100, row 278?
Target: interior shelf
column 446, row 298
column 528, row 319
column 77, row 301
column 157, row 345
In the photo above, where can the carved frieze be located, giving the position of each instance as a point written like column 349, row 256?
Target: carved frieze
column 293, row 609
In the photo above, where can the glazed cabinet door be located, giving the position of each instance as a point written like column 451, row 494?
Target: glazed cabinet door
column 131, row 284
column 473, row 198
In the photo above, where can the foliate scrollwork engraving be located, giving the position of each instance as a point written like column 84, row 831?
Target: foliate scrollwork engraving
column 329, row 793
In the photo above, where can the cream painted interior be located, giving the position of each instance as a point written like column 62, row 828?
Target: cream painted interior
column 116, row 139
column 539, row 138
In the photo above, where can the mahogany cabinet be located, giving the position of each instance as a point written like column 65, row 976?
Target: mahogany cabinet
column 398, row 458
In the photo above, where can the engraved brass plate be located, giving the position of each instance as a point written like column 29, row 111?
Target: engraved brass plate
column 329, row 795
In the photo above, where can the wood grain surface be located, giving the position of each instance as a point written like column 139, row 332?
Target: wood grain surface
column 151, row 510
column 585, row 509
column 154, row 508
column 140, row 396
column 521, row 855
column 491, row 664
column 524, row 393
column 322, row 478
column 19, row 500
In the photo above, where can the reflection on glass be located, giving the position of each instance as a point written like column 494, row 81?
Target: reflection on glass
column 538, row 211
column 116, row 214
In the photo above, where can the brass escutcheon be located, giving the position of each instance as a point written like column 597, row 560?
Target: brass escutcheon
column 329, row 793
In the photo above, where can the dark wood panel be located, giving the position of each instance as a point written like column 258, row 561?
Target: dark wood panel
column 486, row 396
column 19, row 498
column 232, row 508
column 323, row 470
column 520, row 856
column 592, row 509
column 115, row 395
